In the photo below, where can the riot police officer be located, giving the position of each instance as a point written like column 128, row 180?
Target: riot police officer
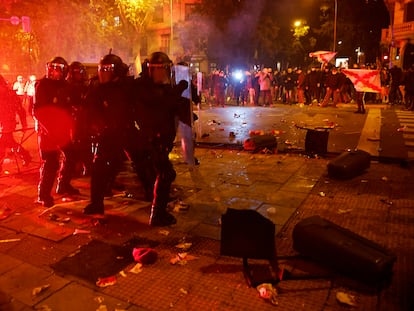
column 52, row 110
column 109, row 112
column 158, row 104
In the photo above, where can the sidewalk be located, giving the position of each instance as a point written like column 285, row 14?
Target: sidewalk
column 284, row 187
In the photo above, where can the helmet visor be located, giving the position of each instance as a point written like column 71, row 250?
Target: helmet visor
column 56, row 66
column 56, row 71
column 106, row 67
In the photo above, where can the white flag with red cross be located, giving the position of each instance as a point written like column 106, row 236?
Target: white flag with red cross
column 323, row 56
column 364, row 80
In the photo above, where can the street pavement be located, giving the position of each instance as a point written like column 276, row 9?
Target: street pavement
column 190, row 273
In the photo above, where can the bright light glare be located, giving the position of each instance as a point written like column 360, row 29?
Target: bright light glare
column 238, row 75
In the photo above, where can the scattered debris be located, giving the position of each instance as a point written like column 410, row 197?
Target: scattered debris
column 346, row 299
column 213, row 122
column 5, row 212
column 182, row 290
column 56, row 218
column 184, row 246
column 322, row 194
column 268, row 151
column 344, row 211
column 164, row 232
column 268, row 292
column 104, row 282
column 384, row 178
column 80, row 231
column 182, row 259
column 277, row 132
column 9, row 240
column 271, row 210
column 68, row 199
column 256, row 132
column 388, row 202
column 122, row 273
column 136, row 269
column 99, row 299
column 37, row 290
column 144, row 255
column 180, row 206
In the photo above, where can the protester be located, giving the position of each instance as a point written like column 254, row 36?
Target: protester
column 265, row 84
column 29, row 90
column 9, row 109
column 333, row 87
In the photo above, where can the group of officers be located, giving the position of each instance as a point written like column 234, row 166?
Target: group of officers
column 100, row 123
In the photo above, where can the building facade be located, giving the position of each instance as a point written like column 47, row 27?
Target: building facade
column 168, row 31
column 397, row 40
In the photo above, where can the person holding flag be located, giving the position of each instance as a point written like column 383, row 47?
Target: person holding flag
column 364, row 80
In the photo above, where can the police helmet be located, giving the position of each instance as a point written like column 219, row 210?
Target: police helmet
column 77, row 71
column 57, row 68
column 113, row 63
column 160, row 60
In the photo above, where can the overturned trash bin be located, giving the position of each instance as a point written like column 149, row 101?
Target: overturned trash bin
column 248, row 234
column 316, row 140
column 349, row 164
column 344, row 251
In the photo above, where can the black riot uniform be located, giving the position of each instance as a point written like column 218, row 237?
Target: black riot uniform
column 52, row 110
column 78, row 85
column 158, row 105
column 110, row 116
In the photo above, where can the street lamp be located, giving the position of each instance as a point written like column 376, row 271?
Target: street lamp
column 335, row 21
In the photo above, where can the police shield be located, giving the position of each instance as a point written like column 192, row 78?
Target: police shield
column 182, row 72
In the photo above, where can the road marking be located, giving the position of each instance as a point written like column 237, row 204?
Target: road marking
column 370, row 134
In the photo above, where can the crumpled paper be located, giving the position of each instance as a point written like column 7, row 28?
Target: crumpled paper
column 268, row 292
column 345, row 298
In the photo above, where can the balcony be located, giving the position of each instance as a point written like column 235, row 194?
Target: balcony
column 404, row 31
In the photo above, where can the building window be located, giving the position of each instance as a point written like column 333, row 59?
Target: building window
column 165, row 43
column 158, row 16
column 190, row 8
column 409, row 12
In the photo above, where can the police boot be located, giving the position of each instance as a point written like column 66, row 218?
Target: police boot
column 66, row 188
column 44, row 197
column 94, row 209
column 161, row 218
column 24, row 155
